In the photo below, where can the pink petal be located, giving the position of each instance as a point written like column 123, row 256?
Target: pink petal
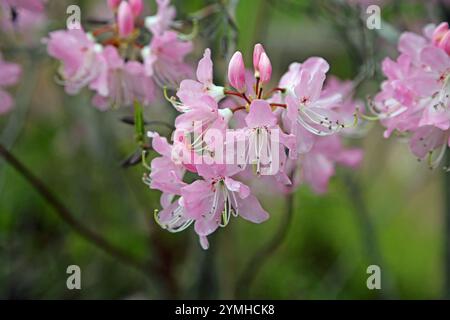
column 205, row 68
column 260, row 115
column 250, row 209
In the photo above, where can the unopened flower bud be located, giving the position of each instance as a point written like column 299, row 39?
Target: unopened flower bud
column 136, row 7
column 113, row 4
column 125, row 19
column 236, row 72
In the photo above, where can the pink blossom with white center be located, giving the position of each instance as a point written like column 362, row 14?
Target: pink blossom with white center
column 212, row 201
column 9, row 76
column 305, row 105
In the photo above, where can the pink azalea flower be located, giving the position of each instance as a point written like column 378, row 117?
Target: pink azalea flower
column 112, row 61
column 318, row 166
column 125, row 82
column 194, row 89
column 27, row 25
column 165, row 175
column 415, row 97
column 306, row 107
column 164, row 58
column 211, row 202
column 9, row 76
column 82, row 62
column 259, row 133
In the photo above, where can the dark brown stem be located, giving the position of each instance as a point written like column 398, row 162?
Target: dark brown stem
column 65, row 214
column 246, row 99
column 257, row 86
column 257, row 261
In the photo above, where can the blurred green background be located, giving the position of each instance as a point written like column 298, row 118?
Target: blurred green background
column 390, row 212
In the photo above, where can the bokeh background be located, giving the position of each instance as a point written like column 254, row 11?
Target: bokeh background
column 390, row 212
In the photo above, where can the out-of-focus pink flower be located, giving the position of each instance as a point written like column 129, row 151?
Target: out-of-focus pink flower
column 31, row 5
column 164, row 59
column 125, row 82
column 163, row 19
column 415, row 97
column 26, row 25
column 236, row 72
column 82, row 62
column 9, row 76
column 125, row 19
column 318, row 166
column 109, row 59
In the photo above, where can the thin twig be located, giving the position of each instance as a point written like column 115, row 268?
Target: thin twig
column 257, row 261
column 368, row 233
column 65, row 214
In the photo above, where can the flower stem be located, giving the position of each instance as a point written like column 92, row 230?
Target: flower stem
column 368, row 233
column 256, row 262
column 65, row 214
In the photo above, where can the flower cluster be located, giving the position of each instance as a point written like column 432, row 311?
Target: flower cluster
column 9, row 75
column 225, row 135
column 115, row 61
column 415, row 99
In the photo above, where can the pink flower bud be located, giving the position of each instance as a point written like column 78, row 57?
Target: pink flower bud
column 113, row 4
column 125, row 19
column 236, row 72
column 264, row 68
column 439, row 33
column 261, row 63
column 257, row 51
column 441, row 37
column 445, row 43
column 136, row 7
